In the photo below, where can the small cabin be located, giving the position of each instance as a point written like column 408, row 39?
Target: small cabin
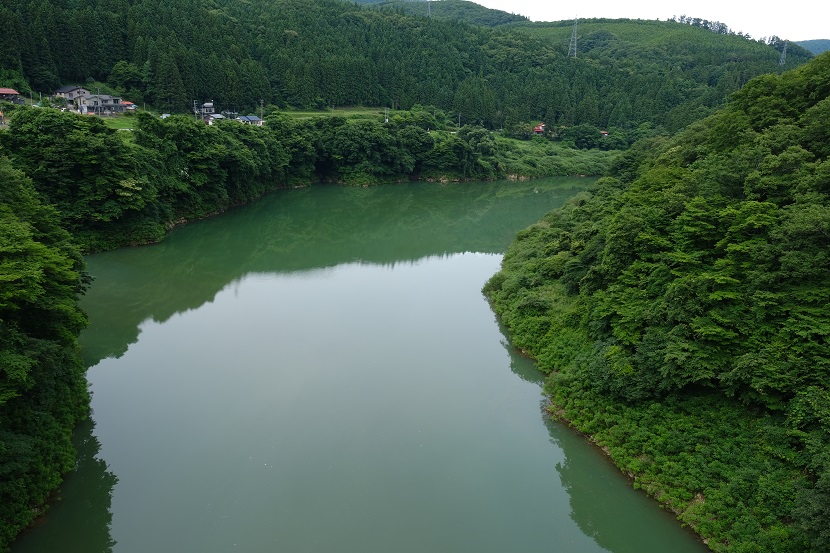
column 9, row 95
column 539, row 129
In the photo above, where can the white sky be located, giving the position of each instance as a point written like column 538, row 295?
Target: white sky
column 801, row 20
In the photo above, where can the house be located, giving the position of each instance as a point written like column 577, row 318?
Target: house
column 71, row 92
column 10, row 95
column 213, row 118
column 99, row 104
column 128, row 106
column 251, row 120
column 204, row 112
column 539, row 129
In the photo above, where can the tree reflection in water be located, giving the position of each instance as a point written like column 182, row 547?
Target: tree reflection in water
column 81, row 515
column 614, row 518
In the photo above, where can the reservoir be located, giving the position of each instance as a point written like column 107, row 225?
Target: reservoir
column 320, row 372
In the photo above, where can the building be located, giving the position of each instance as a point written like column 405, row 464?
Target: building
column 10, row 95
column 99, row 104
column 204, row 112
column 539, row 129
column 71, row 92
column 251, row 120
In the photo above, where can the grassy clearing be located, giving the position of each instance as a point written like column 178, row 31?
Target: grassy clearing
column 349, row 112
column 119, row 122
column 541, row 158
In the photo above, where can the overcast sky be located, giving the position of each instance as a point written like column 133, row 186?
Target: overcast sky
column 800, row 20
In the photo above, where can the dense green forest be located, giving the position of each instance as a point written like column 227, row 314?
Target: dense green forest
column 43, row 392
column 307, row 54
column 461, row 10
column 681, row 311
column 70, row 184
column 817, row 46
column 700, row 64
column 113, row 188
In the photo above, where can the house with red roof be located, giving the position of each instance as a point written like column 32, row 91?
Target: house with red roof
column 9, row 95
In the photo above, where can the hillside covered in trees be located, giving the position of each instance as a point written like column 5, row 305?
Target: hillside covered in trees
column 461, row 10
column 681, row 311
column 753, row 238
column 43, row 392
column 320, row 53
column 114, row 188
column 817, row 46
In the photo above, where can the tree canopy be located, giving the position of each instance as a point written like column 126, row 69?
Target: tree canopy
column 42, row 387
column 313, row 54
column 690, row 290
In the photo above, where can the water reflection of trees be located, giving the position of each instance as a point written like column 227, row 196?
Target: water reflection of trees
column 602, row 504
column 81, row 515
column 298, row 230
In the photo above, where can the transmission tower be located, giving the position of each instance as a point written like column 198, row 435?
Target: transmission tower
column 572, row 45
column 783, row 59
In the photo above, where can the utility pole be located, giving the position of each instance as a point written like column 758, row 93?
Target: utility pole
column 572, row 45
column 261, row 108
column 429, row 9
column 195, row 111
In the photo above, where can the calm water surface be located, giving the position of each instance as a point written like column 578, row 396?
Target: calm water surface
column 319, row 372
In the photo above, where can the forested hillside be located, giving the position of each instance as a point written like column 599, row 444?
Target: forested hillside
column 818, row 46
column 43, row 392
column 701, row 268
column 681, row 310
column 462, row 10
column 698, row 63
column 116, row 188
column 318, row 53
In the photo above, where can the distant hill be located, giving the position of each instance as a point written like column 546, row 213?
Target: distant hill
column 468, row 12
column 315, row 54
column 687, row 65
column 817, row 46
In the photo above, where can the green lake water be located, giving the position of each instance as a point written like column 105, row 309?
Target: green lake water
column 319, row 372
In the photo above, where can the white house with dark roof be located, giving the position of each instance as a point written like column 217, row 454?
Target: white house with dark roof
column 71, row 92
column 251, row 120
column 99, row 104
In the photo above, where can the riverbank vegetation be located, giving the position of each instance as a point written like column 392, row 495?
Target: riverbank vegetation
column 43, row 392
column 681, row 311
column 463, row 100
column 114, row 188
